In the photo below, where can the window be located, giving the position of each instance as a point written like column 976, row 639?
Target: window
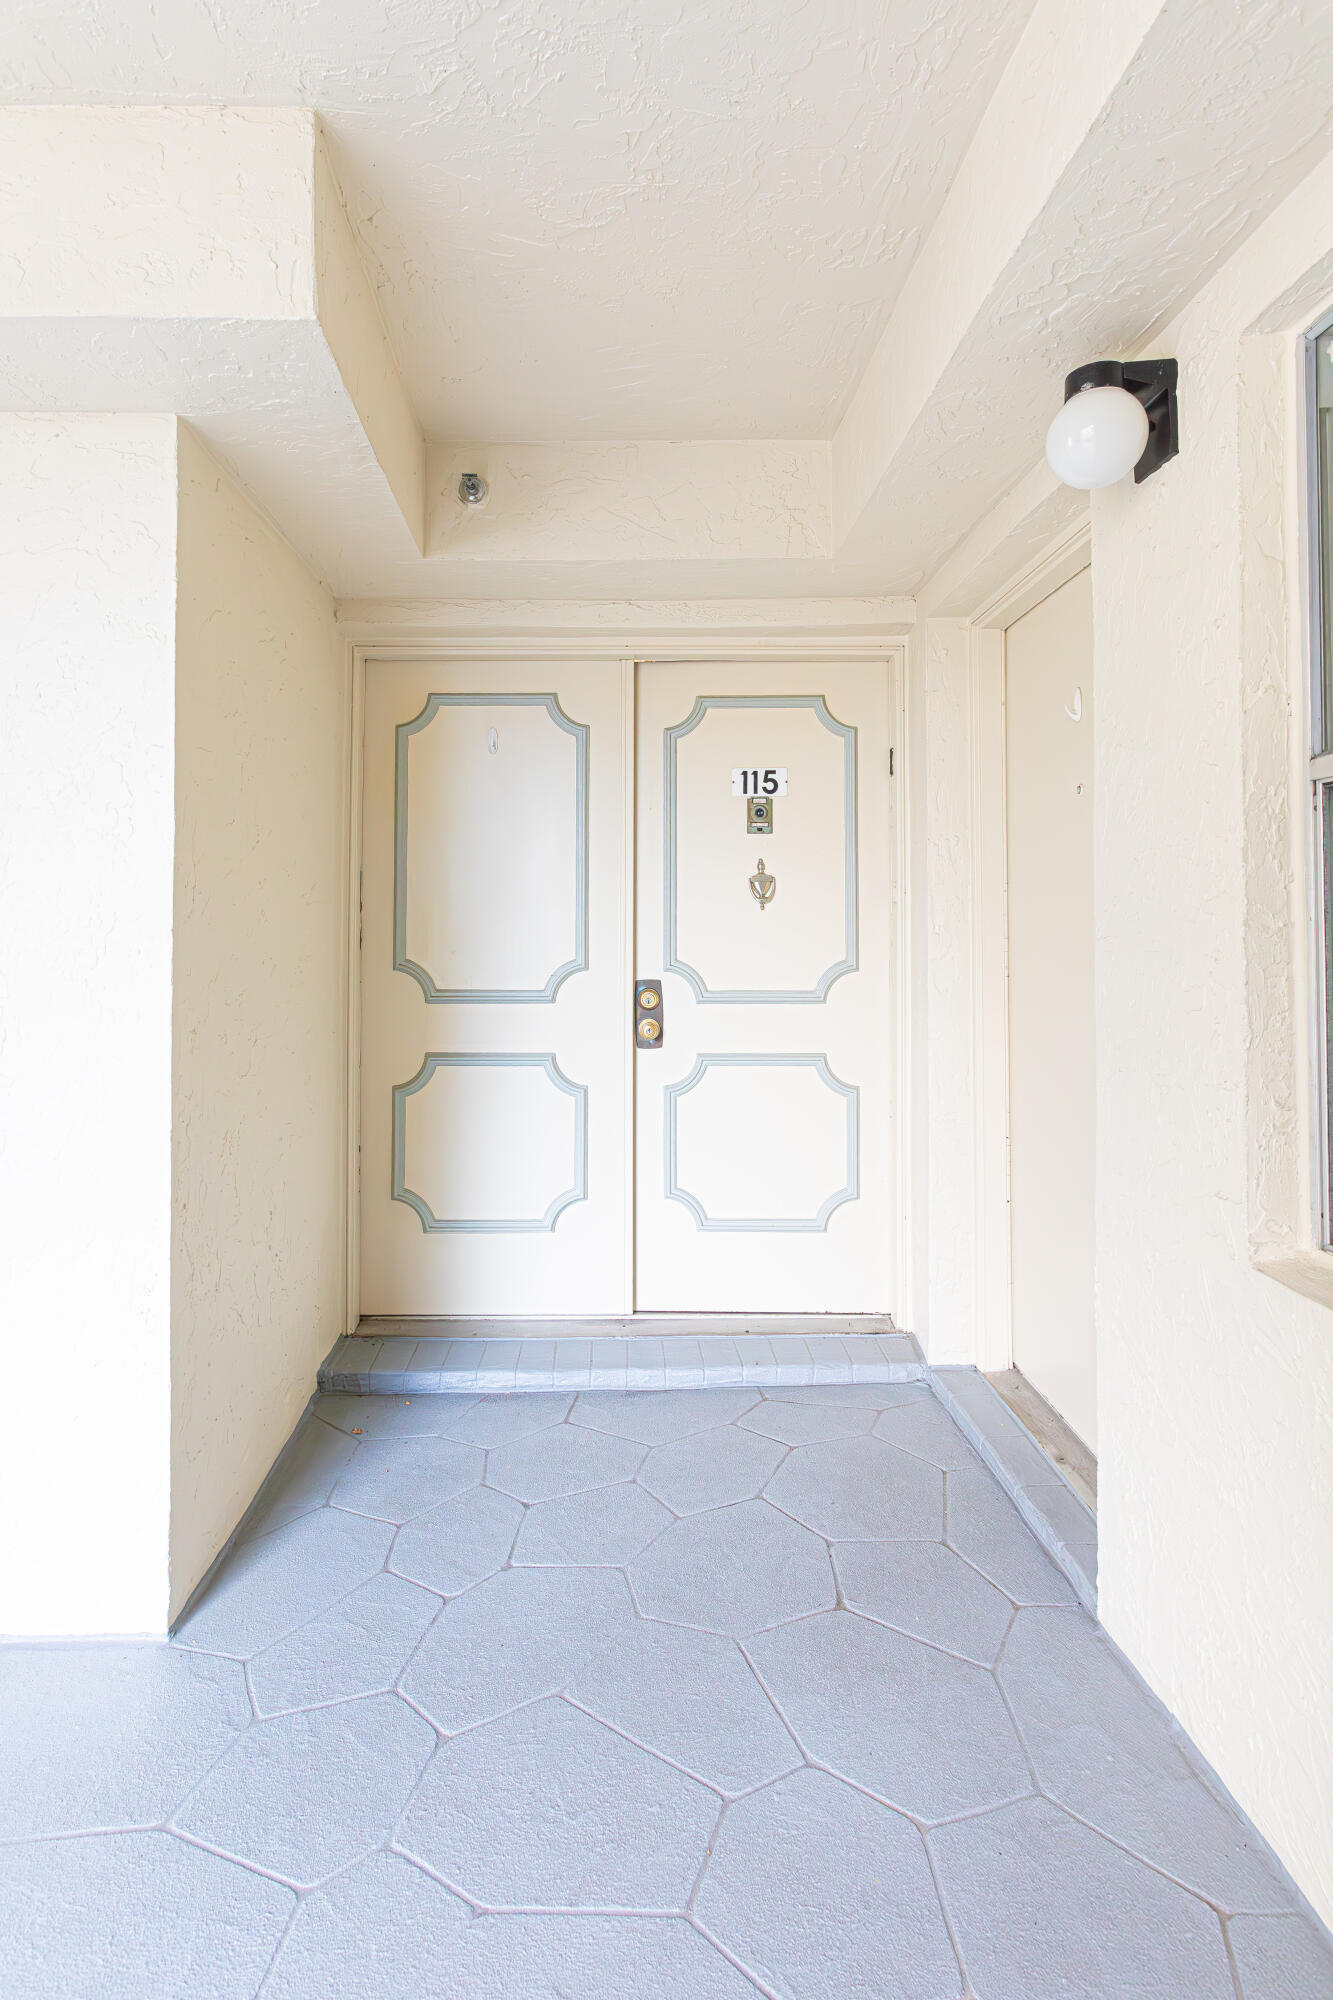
column 1319, row 391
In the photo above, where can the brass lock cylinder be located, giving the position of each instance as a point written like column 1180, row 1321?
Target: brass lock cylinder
column 648, row 1014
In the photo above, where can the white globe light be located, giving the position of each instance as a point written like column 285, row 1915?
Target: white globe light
column 1097, row 438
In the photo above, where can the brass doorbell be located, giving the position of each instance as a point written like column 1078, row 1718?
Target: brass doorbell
column 648, row 1014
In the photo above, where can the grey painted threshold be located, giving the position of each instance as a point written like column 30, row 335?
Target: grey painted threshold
column 402, row 1358
column 391, row 1358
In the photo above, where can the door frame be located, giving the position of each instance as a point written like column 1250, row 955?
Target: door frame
column 630, row 650
column 1058, row 564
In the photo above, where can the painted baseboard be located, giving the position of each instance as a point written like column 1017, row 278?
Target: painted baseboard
column 1057, row 1515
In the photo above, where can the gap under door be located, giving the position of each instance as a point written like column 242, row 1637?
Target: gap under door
column 519, row 1153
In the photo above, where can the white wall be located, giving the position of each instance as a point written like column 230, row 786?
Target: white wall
column 1215, row 1380
column 936, row 769
column 957, row 1299
column 199, row 259
column 87, row 576
column 259, row 1177
column 173, row 753
column 1048, row 707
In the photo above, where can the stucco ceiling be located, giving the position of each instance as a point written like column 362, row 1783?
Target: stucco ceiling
column 587, row 219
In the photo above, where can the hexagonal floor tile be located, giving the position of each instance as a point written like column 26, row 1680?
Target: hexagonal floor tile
column 109, row 1735
column 564, row 1459
column 926, row 1590
column 819, row 1891
column 735, row 1570
column 518, row 1635
column 608, row 1526
column 985, row 1527
column 381, row 1930
column 691, row 1697
column 307, row 1471
column 497, row 1420
column 1072, row 1901
column 593, row 1958
column 713, row 1469
column 1281, row 1958
column 396, row 1479
column 853, row 1395
column 1102, row 1747
column 549, row 1809
column 125, row 1916
column 807, row 1423
column 919, row 1728
column 860, row 1489
column 359, row 1647
column 662, row 1417
column 306, row 1793
column 456, row 1545
column 267, row 1588
column 394, row 1416
column 927, row 1431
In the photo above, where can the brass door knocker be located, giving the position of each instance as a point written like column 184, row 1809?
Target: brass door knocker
column 763, row 887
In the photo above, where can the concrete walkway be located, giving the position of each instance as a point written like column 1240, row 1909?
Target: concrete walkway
column 679, row 1696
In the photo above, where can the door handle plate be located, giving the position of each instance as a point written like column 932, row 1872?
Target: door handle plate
column 648, row 1022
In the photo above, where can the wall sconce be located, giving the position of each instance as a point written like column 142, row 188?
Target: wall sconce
column 1117, row 414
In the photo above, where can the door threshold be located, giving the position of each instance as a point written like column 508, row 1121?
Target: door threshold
column 479, row 1357
column 634, row 1326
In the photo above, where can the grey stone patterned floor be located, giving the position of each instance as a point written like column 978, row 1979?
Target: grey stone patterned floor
column 678, row 1696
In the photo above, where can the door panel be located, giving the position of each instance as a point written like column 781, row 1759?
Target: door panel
column 765, row 1115
column 814, row 942
column 511, row 924
column 732, row 1109
column 494, row 972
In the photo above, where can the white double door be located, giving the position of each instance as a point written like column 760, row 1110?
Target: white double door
column 540, row 835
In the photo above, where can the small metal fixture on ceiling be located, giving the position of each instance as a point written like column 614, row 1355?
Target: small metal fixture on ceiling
column 1117, row 415
column 472, row 489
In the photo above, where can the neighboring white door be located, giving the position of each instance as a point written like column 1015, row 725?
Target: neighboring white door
column 494, row 1064
column 765, row 1115
column 1052, row 1098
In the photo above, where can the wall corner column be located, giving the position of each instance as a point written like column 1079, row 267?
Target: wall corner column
column 959, row 1228
column 86, row 858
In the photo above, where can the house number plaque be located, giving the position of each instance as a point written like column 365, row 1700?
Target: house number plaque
column 759, row 780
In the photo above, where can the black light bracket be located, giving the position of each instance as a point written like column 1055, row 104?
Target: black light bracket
column 1154, row 383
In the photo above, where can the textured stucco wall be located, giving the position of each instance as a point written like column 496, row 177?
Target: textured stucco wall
column 165, row 212
column 173, row 777
column 199, row 259
column 638, row 502
column 87, row 576
column 955, row 1295
column 259, row 1188
column 942, row 901
column 358, row 339
column 1215, row 1382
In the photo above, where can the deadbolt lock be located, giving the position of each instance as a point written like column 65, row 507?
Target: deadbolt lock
column 648, row 1014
